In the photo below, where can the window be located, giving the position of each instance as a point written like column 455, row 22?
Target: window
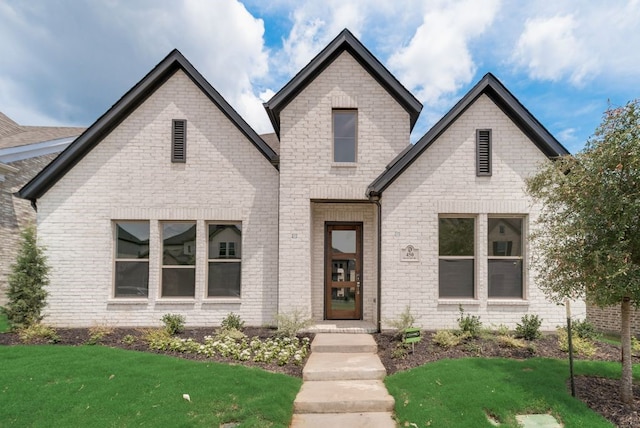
column 225, row 260
column 456, row 239
column 505, row 257
column 178, row 259
column 179, row 140
column 344, row 135
column 131, row 259
column 483, row 152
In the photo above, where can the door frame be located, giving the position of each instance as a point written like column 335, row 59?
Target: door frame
column 340, row 225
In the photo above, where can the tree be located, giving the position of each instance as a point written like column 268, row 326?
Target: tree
column 588, row 233
column 29, row 276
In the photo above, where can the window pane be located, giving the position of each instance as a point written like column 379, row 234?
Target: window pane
column 132, row 240
column 343, row 241
column 505, row 278
column 456, row 236
column 505, row 237
column 132, row 279
column 179, row 244
column 343, row 270
column 344, row 136
column 225, row 241
column 178, row 282
column 456, row 278
column 224, row 280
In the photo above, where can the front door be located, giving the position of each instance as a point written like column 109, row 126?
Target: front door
column 343, row 271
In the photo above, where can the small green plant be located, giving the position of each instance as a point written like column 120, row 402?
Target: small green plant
column 401, row 351
column 502, row 330
column 97, row 333
column 38, row 333
column 585, row 330
column 469, row 324
column 233, row 333
column 446, row 339
column 232, row 321
column 510, row 342
column 129, row 339
column 529, row 327
column 635, row 344
column 173, row 323
column 405, row 320
column 157, row 338
column 289, row 324
column 474, row 348
column 581, row 345
column 27, row 281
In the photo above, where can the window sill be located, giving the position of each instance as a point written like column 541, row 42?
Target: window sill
column 344, row 164
column 185, row 301
column 507, row 302
column 458, row 302
column 128, row 301
column 222, row 301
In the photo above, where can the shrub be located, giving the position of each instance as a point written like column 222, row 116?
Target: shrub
column 97, row 333
column 129, row 339
column 233, row 333
column 289, row 324
column 28, row 277
column 469, row 324
column 232, row 321
column 173, row 323
column 157, row 338
column 585, row 330
column 404, row 321
column 502, row 330
column 510, row 342
column 446, row 339
column 37, row 333
column 581, row 345
column 529, row 327
column 400, row 351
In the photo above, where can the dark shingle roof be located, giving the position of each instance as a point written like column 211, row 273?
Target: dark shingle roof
column 14, row 135
column 494, row 89
column 345, row 41
column 123, row 107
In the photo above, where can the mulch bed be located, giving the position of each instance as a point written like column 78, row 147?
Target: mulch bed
column 599, row 394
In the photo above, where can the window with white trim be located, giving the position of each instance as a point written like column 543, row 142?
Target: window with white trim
column 456, row 264
column 178, row 259
column 505, row 257
column 224, row 259
column 131, row 270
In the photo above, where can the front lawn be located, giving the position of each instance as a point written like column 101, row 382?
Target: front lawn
column 4, row 323
column 463, row 392
column 45, row 386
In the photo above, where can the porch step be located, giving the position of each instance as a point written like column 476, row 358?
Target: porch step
column 341, row 366
column 351, row 420
column 344, row 343
column 353, row 396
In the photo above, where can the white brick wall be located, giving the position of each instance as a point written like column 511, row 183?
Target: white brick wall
column 443, row 181
column 129, row 175
column 307, row 172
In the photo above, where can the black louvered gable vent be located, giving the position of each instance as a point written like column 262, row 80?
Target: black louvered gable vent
column 179, row 141
column 483, row 152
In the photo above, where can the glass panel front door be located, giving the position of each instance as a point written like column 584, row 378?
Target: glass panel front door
column 343, row 279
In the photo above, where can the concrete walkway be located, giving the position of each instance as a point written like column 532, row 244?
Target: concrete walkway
column 342, row 385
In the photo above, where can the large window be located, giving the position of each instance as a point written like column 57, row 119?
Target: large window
column 178, row 259
column 225, row 255
column 505, row 257
column 131, row 259
column 456, row 237
column 344, row 135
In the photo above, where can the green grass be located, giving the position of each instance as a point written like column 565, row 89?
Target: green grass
column 452, row 393
column 61, row 386
column 4, row 323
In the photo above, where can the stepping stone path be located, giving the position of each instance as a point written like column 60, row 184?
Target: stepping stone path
column 342, row 385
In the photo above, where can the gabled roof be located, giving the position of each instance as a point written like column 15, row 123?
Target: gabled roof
column 14, row 135
column 494, row 89
column 122, row 108
column 345, row 41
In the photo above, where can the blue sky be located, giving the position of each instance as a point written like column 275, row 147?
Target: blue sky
column 65, row 62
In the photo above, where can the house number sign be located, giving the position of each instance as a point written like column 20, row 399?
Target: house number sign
column 409, row 254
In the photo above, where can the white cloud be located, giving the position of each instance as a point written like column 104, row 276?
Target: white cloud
column 438, row 60
column 550, row 49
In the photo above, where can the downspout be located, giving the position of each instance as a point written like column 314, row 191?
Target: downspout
column 376, row 200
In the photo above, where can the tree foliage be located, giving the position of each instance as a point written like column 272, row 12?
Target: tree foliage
column 29, row 276
column 587, row 238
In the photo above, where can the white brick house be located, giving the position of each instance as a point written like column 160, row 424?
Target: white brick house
column 170, row 202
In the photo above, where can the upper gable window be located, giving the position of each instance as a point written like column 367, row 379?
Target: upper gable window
column 483, row 152
column 344, row 135
column 179, row 140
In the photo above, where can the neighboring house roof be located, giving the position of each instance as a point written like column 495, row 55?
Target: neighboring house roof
column 494, row 89
column 345, row 41
column 272, row 140
column 14, row 135
column 122, row 108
